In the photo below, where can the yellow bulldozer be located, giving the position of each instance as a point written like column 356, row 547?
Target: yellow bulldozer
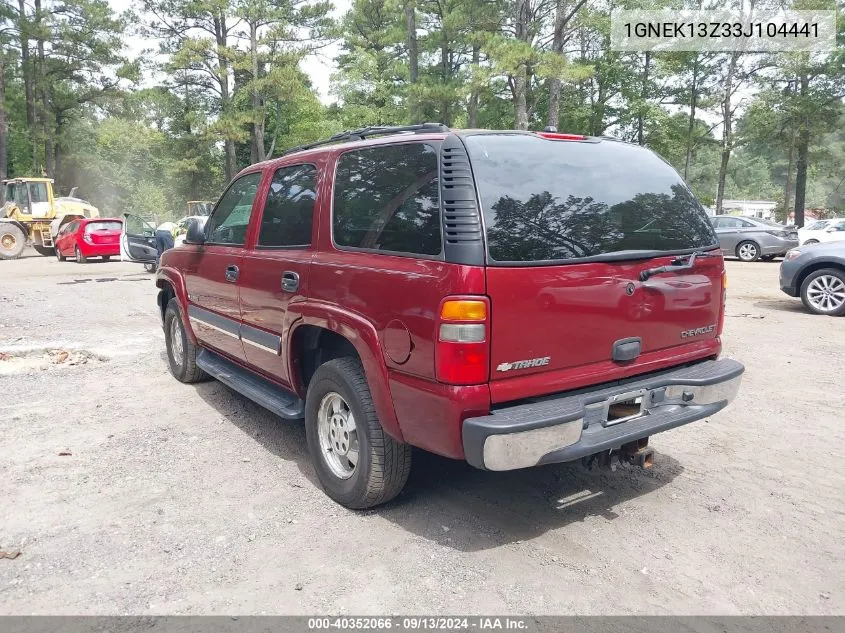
column 30, row 214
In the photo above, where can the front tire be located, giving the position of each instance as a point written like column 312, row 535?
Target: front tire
column 823, row 292
column 748, row 251
column 12, row 241
column 358, row 464
column 80, row 258
column 810, row 242
column 181, row 352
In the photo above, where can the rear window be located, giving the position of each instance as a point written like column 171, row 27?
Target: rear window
column 547, row 200
column 102, row 226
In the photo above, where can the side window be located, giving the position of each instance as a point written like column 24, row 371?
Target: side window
column 730, row 223
column 289, row 208
column 387, row 198
column 717, row 223
column 230, row 220
column 70, row 228
column 745, row 224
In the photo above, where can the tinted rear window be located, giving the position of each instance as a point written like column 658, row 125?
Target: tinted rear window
column 102, row 226
column 558, row 200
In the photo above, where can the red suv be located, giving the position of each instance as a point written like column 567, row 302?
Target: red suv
column 507, row 298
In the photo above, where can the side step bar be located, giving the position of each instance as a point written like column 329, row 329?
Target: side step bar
column 271, row 397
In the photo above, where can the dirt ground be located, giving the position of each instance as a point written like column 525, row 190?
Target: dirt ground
column 185, row 499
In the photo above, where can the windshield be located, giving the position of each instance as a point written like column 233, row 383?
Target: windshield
column 556, row 200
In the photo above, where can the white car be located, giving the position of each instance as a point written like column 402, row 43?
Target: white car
column 831, row 230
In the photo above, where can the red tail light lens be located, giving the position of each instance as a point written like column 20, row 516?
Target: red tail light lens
column 462, row 355
column 560, row 136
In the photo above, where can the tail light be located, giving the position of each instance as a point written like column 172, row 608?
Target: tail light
column 462, row 355
column 86, row 236
column 724, row 300
column 561, row 136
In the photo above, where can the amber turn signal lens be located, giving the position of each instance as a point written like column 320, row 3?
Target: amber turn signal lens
column 724, row 279
column 462, row 310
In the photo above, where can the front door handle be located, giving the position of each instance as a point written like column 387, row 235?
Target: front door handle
column 290, row 281
column 232, row 273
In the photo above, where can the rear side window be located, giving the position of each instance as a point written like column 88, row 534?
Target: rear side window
column 289, row 208
column 547, row 200
column 387, row 198
column 230, row 219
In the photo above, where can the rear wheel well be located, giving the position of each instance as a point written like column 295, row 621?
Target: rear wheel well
column 809, row 270
column 312, row 346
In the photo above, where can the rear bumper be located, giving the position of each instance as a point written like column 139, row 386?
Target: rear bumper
column 98, row 250
column 573, row 426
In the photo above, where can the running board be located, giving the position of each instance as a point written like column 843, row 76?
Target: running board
column 271, row 397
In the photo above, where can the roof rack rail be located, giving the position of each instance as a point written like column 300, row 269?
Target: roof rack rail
column 375, row 130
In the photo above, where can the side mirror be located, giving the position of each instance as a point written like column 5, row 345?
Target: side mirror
column 195, row 233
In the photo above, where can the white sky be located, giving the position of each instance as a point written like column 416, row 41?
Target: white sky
column 318, row 67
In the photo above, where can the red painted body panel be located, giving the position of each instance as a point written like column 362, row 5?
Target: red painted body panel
column 574, row 313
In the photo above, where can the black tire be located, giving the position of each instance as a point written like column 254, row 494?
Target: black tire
column 80, row 258
column 748, row 251
column 810, row 242
column 12, row 241
column 811, row 286
column 383, row 463
column 45, row 251
column 106, row 258
column 150, row 268
column 184, row 370
column 59, row 255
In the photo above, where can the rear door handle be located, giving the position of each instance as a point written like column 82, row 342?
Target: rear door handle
column 290, row 281
column 232, row 273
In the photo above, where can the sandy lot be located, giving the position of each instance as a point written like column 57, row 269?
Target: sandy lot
column 190, row 499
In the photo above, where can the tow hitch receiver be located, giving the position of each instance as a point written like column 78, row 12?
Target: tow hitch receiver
column 636, row 453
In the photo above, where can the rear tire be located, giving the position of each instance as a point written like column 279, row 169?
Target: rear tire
column 767, row 258
column 106, row 258
column 46, row 251
column 339, row 412
column 748, row 251
column 823, row 292
column 181, row 352
column 150, row 268
column 12, row 241
column 810, row 242
column 80, row 258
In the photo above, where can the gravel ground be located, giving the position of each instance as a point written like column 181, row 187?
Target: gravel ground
column 185, row 499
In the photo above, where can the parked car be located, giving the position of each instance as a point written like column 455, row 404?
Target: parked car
column 415, row 286
column 817, row 275
column 751, row 239
column 84, row 238
column 822, row 231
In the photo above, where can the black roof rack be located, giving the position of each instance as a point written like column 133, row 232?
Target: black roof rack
column 376, row 130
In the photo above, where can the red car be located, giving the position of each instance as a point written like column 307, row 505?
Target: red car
column 89, row 237
column 510, row 299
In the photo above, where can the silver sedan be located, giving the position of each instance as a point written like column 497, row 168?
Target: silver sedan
column 751, row 239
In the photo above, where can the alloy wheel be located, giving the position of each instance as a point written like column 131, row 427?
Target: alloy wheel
column 338, row 435
column 177, row 349
column 826, row 293
column 747, row 251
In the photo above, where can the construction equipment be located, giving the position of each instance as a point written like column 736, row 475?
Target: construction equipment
column 32, row 215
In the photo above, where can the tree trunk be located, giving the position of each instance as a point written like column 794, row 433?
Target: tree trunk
column 801, row 163
column 787, row 188
column 472, row 108
column 691, row 125
column 26, row 65
column 413, row 62
column 3, row 128
column 257, row 153
column 221, row 34
column 643, row 97
column 553, row 118
column 727, row 131
column 519, row 80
